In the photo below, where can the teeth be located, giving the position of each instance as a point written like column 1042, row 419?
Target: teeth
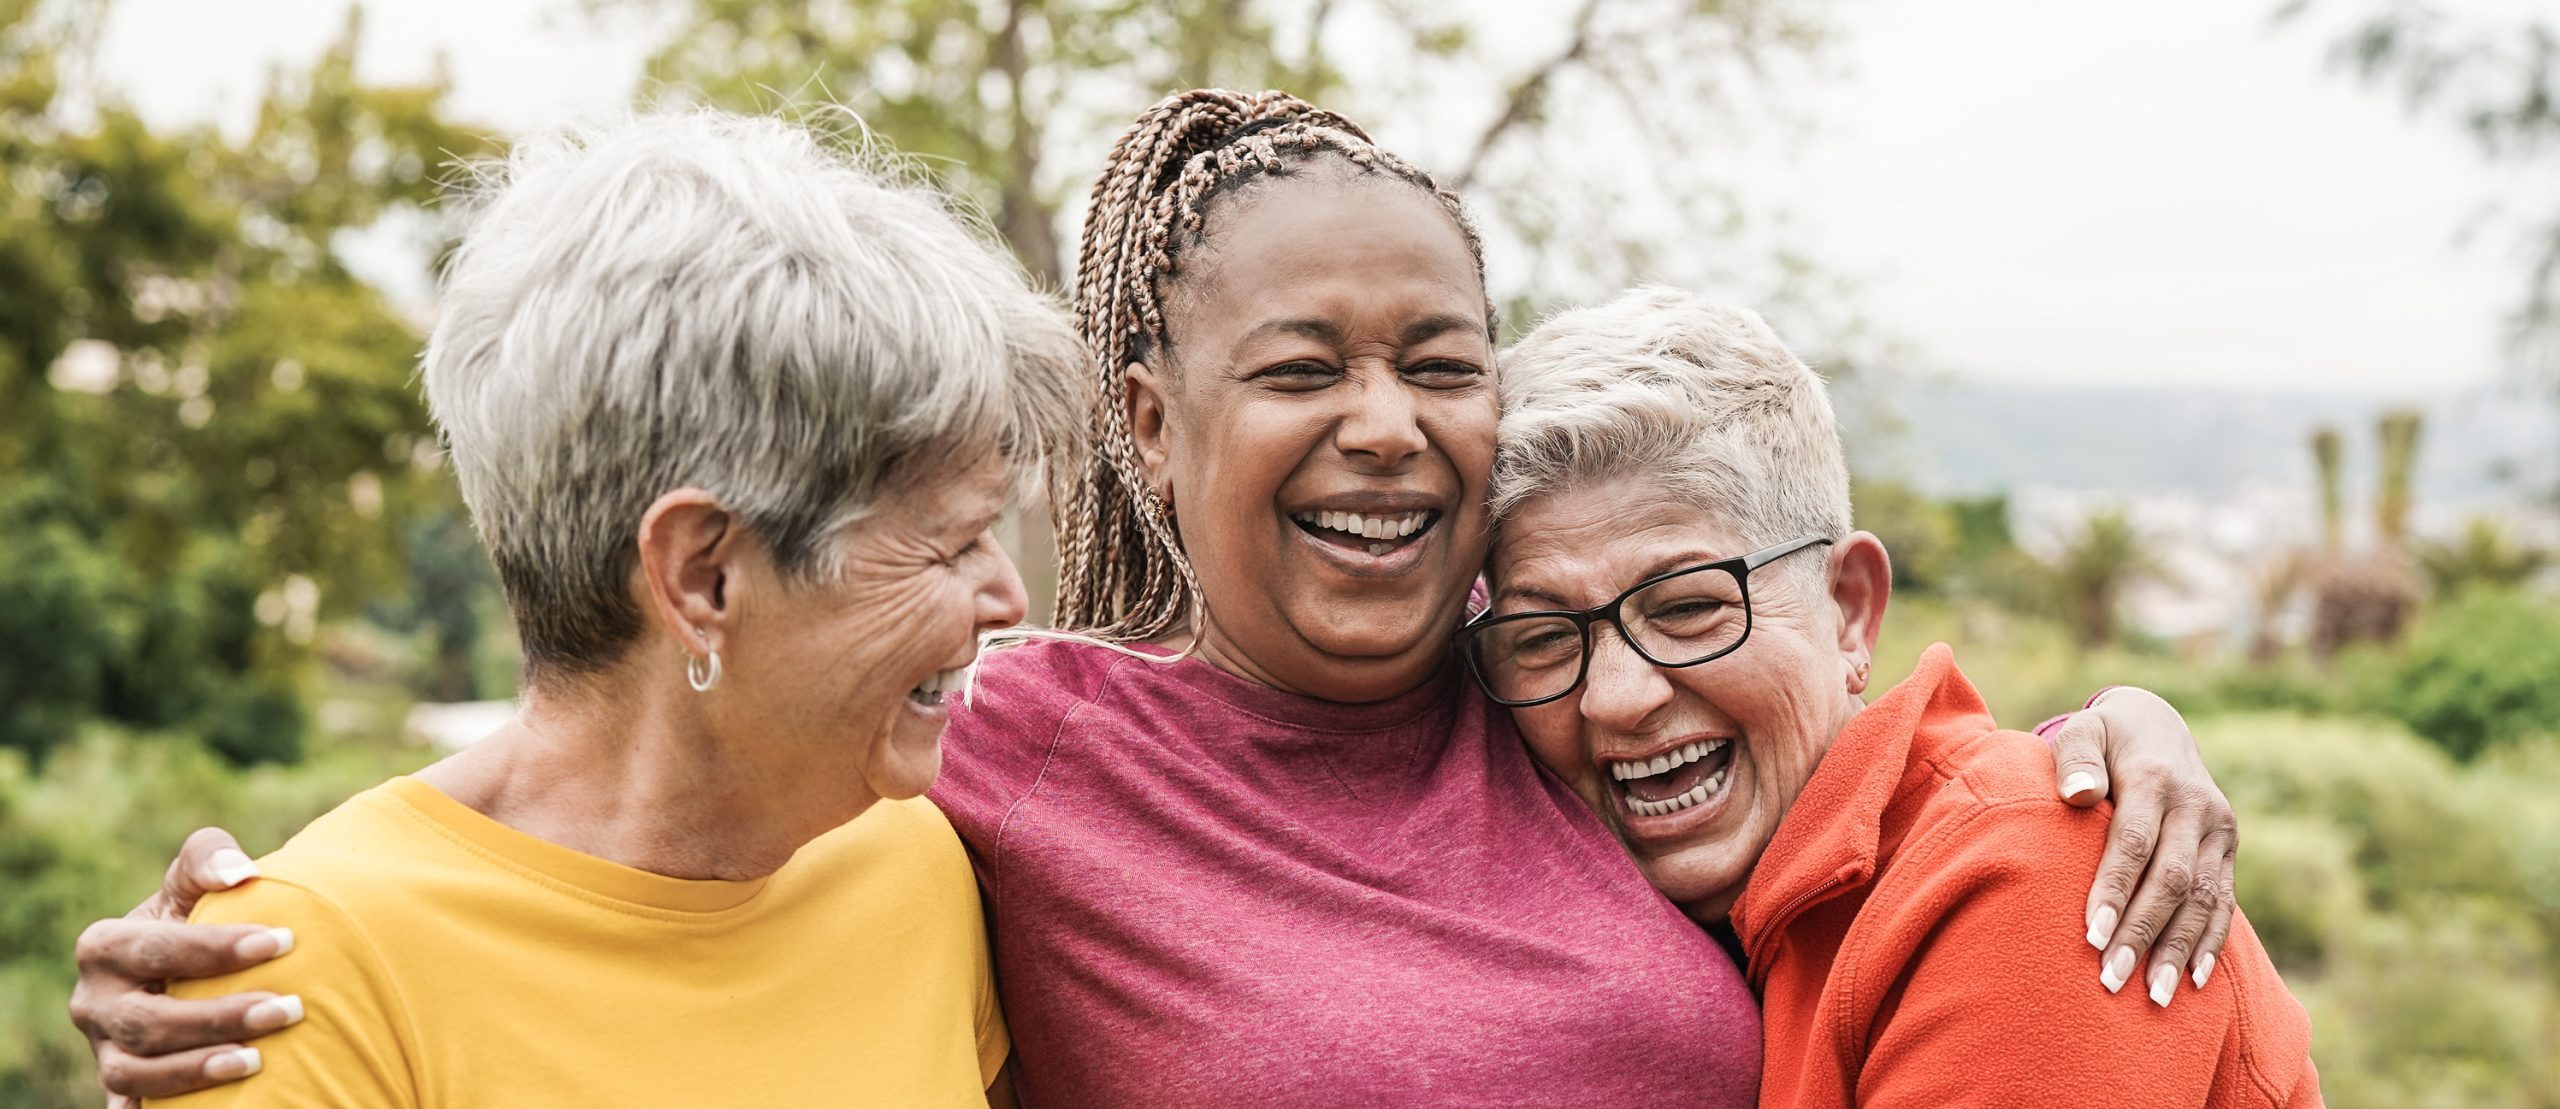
column 1397, row 526
column 1697, row 795
column 947, row 681
column 1662, row 764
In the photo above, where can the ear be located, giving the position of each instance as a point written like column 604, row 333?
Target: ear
column 1147, row 402
column 689, row 545
column 1861, row 585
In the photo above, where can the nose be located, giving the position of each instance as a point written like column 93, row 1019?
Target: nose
column 1002, row 601
column 1384, row 426
column 1621, row 690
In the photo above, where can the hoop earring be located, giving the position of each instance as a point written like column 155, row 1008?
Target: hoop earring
column 700, row 677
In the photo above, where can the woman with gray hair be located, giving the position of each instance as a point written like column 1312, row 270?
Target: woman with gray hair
column 734, row 416
column 1684, row 623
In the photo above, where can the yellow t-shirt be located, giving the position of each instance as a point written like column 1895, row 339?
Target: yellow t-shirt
column 445, row 959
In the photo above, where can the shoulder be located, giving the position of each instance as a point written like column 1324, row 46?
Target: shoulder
column 1004, row 730
column 1048, row 668
column 372, row 848
column 1995, row 809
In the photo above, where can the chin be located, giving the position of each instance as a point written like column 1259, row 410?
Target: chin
column 1382, row 630
column 1705, row 889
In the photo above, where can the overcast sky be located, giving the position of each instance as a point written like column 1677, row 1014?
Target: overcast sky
column 2028, row 190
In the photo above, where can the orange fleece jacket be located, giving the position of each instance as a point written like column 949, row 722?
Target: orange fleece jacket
column 1913, row 932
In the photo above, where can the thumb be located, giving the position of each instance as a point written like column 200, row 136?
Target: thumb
column 2079, row 762
column 210, row 862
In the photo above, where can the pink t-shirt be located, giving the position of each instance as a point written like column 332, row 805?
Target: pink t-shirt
column 1204, row 891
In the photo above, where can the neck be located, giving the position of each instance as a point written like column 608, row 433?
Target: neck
column 641, row 778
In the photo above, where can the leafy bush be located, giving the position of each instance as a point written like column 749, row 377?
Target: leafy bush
column 2413, row 904
column 2482, row 670
column 91, row 834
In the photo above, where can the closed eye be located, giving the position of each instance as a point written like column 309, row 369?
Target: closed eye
column 1445, row 373
column 1301, row 369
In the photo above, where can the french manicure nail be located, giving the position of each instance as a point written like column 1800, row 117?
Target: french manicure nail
column 2204, row 968
column 239, row 1062
column 2164, row 984
column 2077, row 783
column 2102, row 926
column 231, row 868
column 263, row 945
column 274, row 1013
column 2119, row 968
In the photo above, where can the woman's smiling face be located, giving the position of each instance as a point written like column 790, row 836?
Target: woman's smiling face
column 1324, row 430
column 1693, row 767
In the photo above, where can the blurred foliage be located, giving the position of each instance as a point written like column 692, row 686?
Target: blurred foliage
column 2485, row 554
column 1011, row 100
column 90, row 836
column 2412, row 904
column 208, row 444
column 2482, row 670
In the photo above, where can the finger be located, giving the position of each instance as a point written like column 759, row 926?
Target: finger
column 2217, row 929
column 2164, row 887
column 2178, row 942
column 2079, row 759
column 209, row 862
column 128, row 1075
column 2131, row 834
column 139, row 951
column 151, row 1024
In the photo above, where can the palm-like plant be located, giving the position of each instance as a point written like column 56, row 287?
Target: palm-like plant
column 2094, row 570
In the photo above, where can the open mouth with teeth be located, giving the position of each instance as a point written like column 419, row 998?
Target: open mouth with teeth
column 1375, row 534
column 929, row 693
column 1684, row 777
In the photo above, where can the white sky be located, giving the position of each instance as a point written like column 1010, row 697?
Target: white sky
column 2028, row 190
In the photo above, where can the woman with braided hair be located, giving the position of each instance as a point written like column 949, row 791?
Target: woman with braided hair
column 1247, row 836
column 1273, row 851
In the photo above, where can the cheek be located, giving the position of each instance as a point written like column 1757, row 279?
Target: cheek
column 1554, row 737
column 1464, row 430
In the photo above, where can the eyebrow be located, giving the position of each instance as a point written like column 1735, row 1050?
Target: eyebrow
column 1658, row 568
column 1322, row 331
column 1432, row 327
column 1325, row 331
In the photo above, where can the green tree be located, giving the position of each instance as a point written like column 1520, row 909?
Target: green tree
column 2089, row 577
column 208, row 442
column 1011, row 100
column 2486, row 554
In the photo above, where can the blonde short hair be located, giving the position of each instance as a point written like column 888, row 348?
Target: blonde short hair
column 1668, row 386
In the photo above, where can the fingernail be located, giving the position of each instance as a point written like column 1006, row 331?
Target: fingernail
column 2078, row 782
column 239, row 1062
column 264, row 945
column 274, row 1013
column 2102, row 926
column 231, row 868
column 2204, row 968
column 2119, row 967
column 2164, row 984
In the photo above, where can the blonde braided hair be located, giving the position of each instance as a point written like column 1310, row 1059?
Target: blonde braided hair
column 1123, row 574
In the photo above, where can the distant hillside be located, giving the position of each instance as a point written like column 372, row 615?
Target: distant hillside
column 1958, row 437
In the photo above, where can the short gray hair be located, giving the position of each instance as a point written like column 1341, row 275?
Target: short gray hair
column 1666, row 385
column 706, row 299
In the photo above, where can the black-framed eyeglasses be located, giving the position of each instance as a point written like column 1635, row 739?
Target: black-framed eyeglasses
column 1692, row 615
